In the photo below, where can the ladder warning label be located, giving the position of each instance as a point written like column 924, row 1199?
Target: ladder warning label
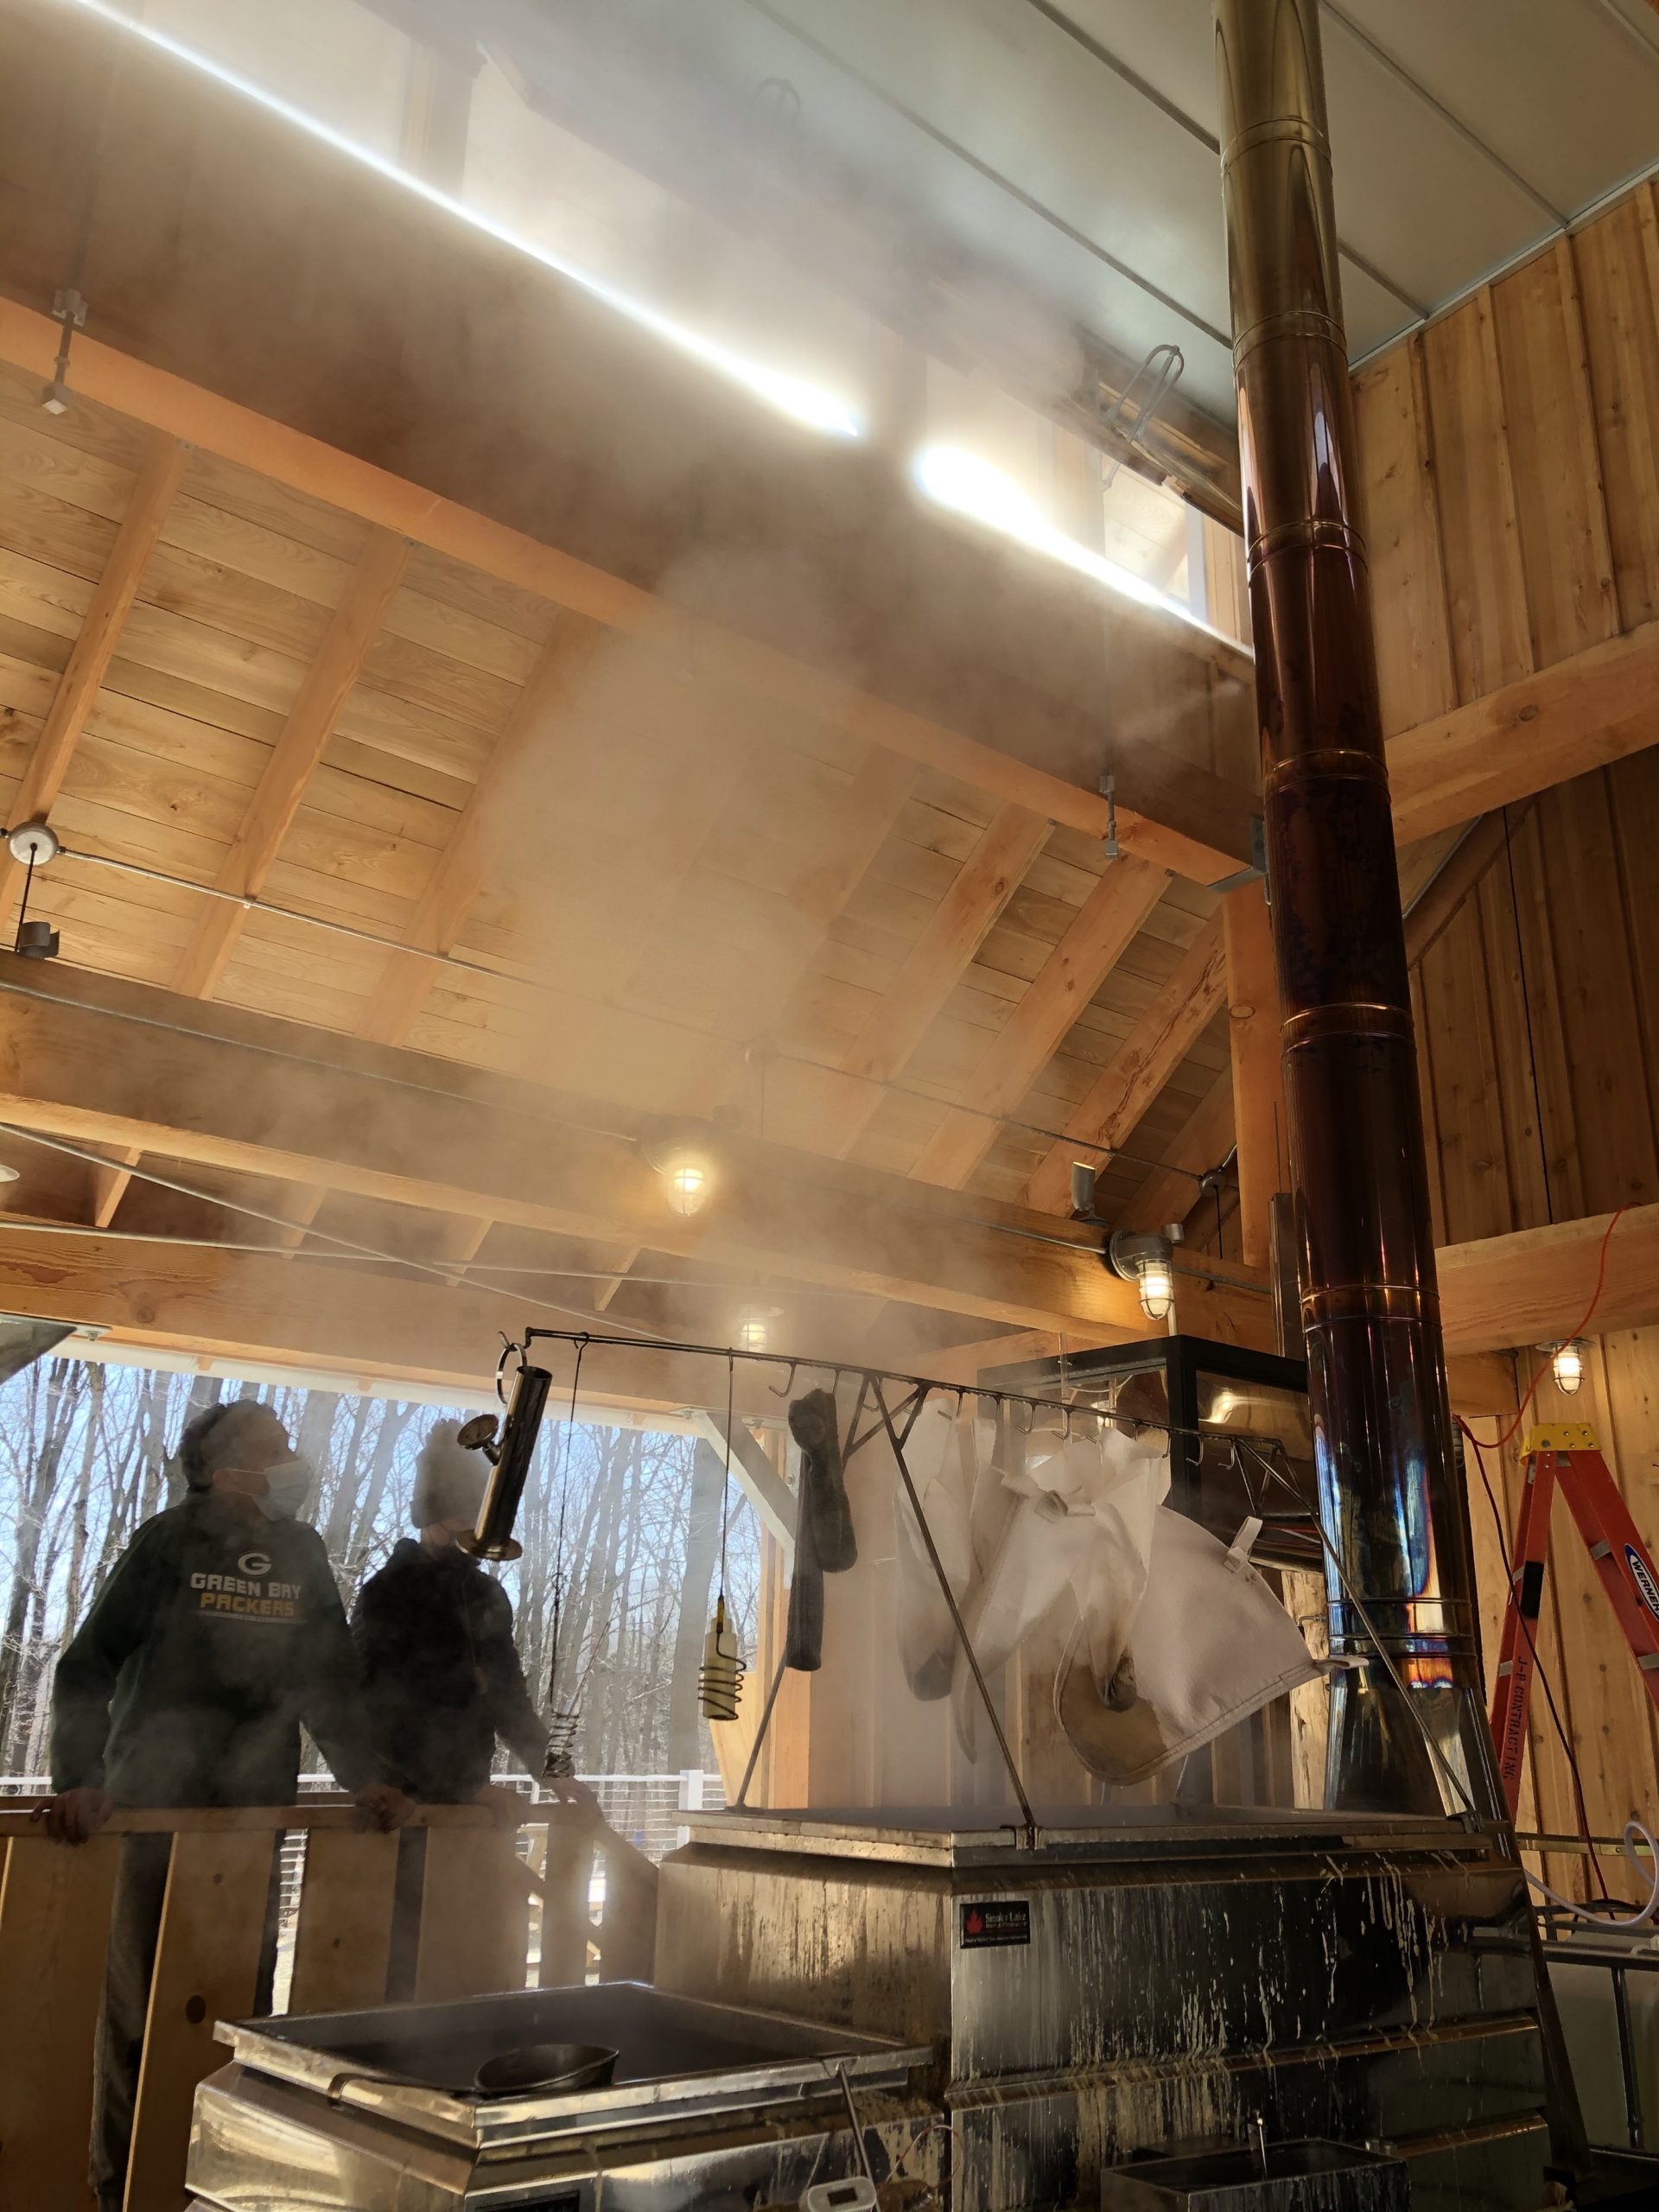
column 1005, row 1919
column 1641, row 1576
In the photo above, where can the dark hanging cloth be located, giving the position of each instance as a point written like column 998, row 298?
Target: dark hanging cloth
column 825, row 1542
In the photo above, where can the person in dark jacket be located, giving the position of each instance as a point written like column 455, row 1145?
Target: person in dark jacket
column 219, row 1634
column 434, row 1636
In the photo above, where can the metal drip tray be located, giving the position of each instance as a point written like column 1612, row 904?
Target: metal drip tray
column 674, row 2054
column 1309, row 2176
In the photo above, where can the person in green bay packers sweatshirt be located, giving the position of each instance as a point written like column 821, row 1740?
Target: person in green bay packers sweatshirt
column 219, row 1634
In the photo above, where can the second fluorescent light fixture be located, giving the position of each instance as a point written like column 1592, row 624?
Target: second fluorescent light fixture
column 960, row 481
column 801, row 400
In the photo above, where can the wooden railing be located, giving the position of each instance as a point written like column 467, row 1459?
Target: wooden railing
column 487, row 1920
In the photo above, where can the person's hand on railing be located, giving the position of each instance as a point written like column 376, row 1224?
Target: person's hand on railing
column 387, row 1808
column 74, row 1815
column 576, row 1798
column 505, row 1807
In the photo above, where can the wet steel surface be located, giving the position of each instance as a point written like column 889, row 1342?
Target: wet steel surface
column 1167, row 1978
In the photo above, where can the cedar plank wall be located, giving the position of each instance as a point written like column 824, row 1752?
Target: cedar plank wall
column 1510, row 463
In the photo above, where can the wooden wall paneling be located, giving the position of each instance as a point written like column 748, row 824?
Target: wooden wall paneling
column 1601, row 1039
column 206, row 1970
column 1617, row 258
column 1555, row 1799
column 1555, row 462
column 1491, row 643
column 342, row 1943
column 1468, row 1112
column 1626, row 1377
column 54, row 1928
column 1428, row 1095
column 1416, row 678
column 1634, row 785
column 1611, row 1738
column 1532, row 1199
column 1534, row 844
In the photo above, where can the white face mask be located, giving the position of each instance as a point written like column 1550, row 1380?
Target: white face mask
column 287, row 1483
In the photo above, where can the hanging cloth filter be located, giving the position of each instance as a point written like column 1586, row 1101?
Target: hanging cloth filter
column 720, row 1679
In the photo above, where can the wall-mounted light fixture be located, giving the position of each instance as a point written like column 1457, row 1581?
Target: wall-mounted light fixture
column 1147, row 1260
column 1566, row 1364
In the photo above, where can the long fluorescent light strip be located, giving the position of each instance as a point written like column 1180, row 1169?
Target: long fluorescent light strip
column 959, row 481
column 792, row 396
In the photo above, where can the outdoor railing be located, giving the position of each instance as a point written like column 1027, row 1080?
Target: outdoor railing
column 496, row 1911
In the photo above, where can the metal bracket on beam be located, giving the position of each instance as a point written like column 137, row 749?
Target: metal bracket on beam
column 1257, row 870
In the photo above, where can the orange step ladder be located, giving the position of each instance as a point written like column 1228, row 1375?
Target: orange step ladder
column 1567, row 1454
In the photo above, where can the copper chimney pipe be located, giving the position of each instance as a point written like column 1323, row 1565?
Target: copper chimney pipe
column 1392, row 1493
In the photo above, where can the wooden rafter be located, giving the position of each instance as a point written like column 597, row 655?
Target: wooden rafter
column 94, row 648
column 110, row 1066
column 1109, row 918
column 1591, row 707
column 305, row 464
column 463, row 866
column 953, row 932
column 1203, row 1142
column 351, row 633
column 1140, row 1068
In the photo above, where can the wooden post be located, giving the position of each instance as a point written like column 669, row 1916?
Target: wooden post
column 54, row 1929
column 206, row 1970
column 567, row 1928
column 1253, row 1040
column 474, row 1915
column 342, row 1946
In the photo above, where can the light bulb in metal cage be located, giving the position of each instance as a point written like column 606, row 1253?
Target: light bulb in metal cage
column 1148, row 1262
column 684, row 1155
column 720, row 1680
column 1566, row 1364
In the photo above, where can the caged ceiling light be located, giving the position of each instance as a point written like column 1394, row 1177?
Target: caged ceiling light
column 684, row 1154
column 1148, row 1262
column 1566, row 1362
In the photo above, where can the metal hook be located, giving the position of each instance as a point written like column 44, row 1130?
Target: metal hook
column 788, row 1389
column 508, row 1347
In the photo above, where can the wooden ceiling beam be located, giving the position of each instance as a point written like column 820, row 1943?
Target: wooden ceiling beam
column 1111, row 916
column 352, row 629
column 1595, row 707
column 106, row 1064
column 88, row 665
column 330, row 1316
column 289, row 456
column 1533, row 1287
column 1138, row 1070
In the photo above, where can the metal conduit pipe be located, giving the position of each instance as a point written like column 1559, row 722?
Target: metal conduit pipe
column 1391, row 1484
